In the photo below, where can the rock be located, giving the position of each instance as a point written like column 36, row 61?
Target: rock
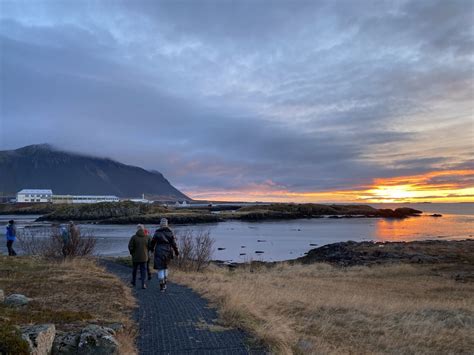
column 259, row 252
column 97, row 340
column 17, row 300
column 39, row 337
column 116, row 327
column 420, row 259
column 305, row 346
column 66, row 344
column 405, row 211
column 2, row 296
column 402, row 212
column 464, row 276
column 220, row 248
column 436, row 215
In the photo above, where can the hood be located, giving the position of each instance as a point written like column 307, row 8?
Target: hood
column 140, row 233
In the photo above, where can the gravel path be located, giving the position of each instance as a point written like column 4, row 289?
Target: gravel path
column 180, row 321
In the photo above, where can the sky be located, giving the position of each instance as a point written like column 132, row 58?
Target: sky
column 304, row 101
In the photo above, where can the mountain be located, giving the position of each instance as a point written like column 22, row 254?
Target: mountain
column 45, row 167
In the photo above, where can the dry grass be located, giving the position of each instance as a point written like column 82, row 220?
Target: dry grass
column 70, row 294
column 321, row 309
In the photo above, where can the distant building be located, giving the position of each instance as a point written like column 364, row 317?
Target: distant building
column 139, row 200
column 181, row 205
column 38, row 196
column 34, row 195
column 84, row 198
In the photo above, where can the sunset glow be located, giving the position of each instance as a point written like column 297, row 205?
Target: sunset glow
column 306, row 101
column 436, row 186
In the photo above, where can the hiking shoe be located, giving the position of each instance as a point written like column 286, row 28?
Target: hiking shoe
column 162, row 287
column 149, row 277
column 144, row 287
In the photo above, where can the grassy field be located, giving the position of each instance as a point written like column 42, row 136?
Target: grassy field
column 323, row 309
column 70, row 294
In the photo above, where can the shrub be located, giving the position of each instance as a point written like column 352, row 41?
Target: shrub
column 195, row 250
column 49, row 243
column 11, row 341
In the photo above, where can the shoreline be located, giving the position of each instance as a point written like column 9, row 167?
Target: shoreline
column 370, row 253
column 133, row 213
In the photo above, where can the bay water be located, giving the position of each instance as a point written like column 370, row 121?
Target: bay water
column 282, row 240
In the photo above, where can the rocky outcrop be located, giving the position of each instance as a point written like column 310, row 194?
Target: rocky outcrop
column 369, row 253
column 93, row 339
column 97, row 340
column 17, row 300
column 39, row 337
column 66, row 344
column 398, row 213
column 2, row 296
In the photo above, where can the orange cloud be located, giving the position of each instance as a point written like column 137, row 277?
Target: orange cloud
column 435, row 186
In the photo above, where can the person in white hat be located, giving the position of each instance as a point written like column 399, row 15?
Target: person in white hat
column 164, row 246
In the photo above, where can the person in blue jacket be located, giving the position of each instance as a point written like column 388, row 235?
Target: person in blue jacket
column 11, row 237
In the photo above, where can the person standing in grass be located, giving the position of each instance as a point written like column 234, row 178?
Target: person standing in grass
column 164, row 245
column 139, row 246
column 11, row 237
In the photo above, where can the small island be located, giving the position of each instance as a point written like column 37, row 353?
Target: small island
column 128, row 212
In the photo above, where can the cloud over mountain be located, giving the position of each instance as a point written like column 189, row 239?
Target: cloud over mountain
column 309, row 95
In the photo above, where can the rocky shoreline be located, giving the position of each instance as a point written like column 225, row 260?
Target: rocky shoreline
column 374, row 253
column 454, row 257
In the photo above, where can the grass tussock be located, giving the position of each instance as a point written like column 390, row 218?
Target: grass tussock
column 318, row 308
column 70, row 294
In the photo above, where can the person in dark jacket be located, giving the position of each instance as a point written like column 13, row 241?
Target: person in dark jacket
column 139, row 246
column 164, row 245
column 69, row 236
column 11, row 237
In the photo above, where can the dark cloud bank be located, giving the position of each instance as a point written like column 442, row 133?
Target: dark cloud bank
column 311, row 95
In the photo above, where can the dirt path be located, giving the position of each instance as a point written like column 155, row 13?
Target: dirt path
column 180, row 321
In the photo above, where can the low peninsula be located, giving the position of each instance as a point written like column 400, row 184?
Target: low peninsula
column 127, row 212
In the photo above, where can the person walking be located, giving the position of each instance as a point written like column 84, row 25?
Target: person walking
column 164, row 245
column 139, row 245
column 11, row 237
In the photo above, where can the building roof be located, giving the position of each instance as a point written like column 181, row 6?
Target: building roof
column 85, row 196
column 36, row 191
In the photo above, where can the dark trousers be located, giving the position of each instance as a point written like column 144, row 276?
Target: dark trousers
column 11, row 252
column 142, row 272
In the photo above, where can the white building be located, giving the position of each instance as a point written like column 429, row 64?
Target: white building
column 38, row 195
column 181, row 205
column 34, row 195
column 139, row 200
column 84, row 198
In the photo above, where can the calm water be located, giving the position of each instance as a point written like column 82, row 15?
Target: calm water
column 283, row 240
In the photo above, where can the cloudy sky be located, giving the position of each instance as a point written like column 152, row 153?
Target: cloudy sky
column 251, row 100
